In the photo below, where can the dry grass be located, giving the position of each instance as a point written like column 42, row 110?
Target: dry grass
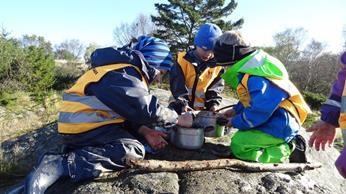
column 23, row 115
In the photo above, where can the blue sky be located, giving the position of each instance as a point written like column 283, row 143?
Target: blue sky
column 94, row 21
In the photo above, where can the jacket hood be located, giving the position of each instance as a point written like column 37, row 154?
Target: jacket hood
column 258, row 63
column 111, row 55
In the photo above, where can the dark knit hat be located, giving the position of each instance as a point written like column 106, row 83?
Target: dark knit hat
column 230, row 47
column 155, row 51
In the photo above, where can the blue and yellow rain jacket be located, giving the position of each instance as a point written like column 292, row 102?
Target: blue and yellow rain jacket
column 196, row 82
column 114, row 93
column 268, row 100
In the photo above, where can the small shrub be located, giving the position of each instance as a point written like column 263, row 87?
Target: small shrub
column 11, row 56
column 9, row 92
column 37, row 73
column 15, row 100
column 314, row 100
column 7, row 98
column 65, row 76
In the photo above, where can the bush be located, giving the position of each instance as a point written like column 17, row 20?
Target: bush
column 15, row 101
column 6, row 98
column 65, row 76
column 314, row 100
column 11, row 56
column 37, row 72
column 8, row 90
column 26, row 65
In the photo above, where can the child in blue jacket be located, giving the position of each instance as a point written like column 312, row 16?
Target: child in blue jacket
column 270, row 111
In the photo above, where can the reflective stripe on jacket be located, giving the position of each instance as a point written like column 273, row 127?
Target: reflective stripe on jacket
column 259, row 63
column 295, row 104
column 265, row 114
column 81, row 113
column 197, row 84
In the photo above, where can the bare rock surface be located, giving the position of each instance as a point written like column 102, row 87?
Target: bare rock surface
column 19, row 155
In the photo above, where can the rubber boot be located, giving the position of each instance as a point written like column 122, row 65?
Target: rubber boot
column 49, row 170
column 298, row 155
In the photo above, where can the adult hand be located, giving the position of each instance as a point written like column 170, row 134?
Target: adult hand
column 323, row 133
column 185, row 120
column 229, row 113
column 154, row 138
column 340, row 163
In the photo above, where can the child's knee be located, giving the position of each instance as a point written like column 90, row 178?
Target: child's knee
column 132, row 149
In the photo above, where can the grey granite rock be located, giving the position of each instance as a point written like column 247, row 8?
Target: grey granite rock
column 18, row 156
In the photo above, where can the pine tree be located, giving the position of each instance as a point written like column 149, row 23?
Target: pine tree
column 178, row 21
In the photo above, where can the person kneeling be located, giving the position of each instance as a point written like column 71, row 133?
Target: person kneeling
column 270, row 111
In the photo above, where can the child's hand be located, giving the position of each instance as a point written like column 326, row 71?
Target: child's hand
column 186, row 109
column 154, row 138
column 185, row 120
column 229, row 113
column 323, row 134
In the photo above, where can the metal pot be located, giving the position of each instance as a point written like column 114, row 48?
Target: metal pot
column 187, row 138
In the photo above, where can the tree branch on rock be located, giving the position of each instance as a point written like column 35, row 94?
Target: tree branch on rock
column 194, row 165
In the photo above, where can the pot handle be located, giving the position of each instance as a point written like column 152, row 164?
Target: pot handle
column 226, row 107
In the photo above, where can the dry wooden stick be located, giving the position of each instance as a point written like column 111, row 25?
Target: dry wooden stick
column 193, row 165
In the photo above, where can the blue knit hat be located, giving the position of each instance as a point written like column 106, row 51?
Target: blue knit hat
column 155, row 51
column 206, row 36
